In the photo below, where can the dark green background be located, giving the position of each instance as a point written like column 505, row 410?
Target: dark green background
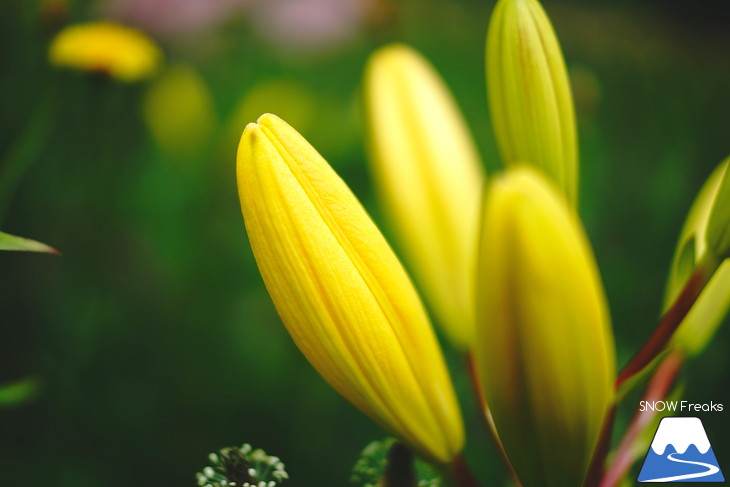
column 152, row 337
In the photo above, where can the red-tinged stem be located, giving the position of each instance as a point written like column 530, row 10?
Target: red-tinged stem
column 595, row 470
column 487, row 416
column 658, row 388
column 476, row 386
column 461, row 474
column 669, row 322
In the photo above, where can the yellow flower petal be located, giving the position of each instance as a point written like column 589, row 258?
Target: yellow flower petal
column 544, row 347
column 341, row 292
column 122, row 52
column 529, row 93
column 429, row 176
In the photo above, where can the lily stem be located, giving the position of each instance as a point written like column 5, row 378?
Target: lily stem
column 658, row 388
column 487, row 416
column 671, row 319
column 595, row 469
column 460, row 475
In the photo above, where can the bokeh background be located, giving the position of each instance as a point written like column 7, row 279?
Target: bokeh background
column 151, row 341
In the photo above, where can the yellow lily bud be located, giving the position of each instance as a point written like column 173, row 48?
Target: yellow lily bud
column 342, row 293
column 429, row 175
column 712, row 305
column 529, row 93
column 122, row 52
column 544, row 346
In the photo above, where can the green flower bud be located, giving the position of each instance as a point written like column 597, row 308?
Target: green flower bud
column 529, row 93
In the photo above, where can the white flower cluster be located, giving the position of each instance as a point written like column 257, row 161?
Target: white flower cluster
column 242, row 467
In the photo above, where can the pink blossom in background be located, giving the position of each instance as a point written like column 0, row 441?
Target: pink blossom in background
column 172, row 18
column 308, row 24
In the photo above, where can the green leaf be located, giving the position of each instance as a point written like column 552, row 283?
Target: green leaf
column 11, row 242
column 18, row 392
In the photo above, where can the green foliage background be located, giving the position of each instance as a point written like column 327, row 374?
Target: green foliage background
column 152, row 340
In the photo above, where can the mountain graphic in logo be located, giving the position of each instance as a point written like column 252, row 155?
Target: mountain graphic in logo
column 680, row 452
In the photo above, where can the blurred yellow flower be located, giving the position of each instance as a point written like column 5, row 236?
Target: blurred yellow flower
column 122, row 52
column 428, row 172
column 179, row 111
column 342, row 293
column 529, row 93
column 544, row 346
column 289, row 98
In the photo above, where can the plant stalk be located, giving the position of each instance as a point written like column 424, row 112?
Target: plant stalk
column 459, row 473
column 595, row 469
column 671, row 320
column 487, row 416
column 658, row 388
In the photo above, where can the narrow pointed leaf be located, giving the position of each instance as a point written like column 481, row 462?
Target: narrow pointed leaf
column 17, row 393
column 11, row 242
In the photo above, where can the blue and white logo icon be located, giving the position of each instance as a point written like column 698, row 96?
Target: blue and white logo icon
column 680, row 452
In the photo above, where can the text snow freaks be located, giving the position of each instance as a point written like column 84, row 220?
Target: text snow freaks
column 679, row 406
